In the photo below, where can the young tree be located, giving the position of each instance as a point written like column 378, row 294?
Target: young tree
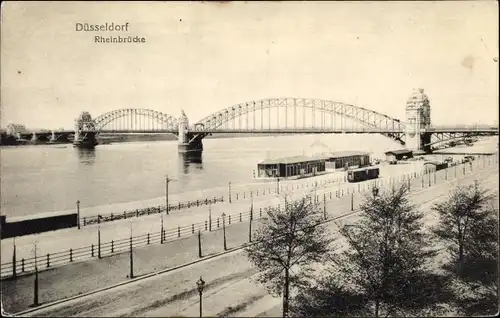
column 460, row 217
column 289, row 241
column 469, row 228
column 384, row 269
column 476, row 290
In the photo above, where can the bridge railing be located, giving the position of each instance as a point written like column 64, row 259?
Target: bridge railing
column 97, row 219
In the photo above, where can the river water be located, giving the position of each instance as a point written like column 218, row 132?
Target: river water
column 46, row 178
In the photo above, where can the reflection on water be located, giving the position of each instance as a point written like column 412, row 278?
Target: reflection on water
column 191, row 159
column 50, row 179
column 86, row 156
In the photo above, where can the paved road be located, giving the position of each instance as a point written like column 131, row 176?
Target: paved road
column 176, row 290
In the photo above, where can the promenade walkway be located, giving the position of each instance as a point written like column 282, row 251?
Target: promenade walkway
column 264, row 195
column 78, row 278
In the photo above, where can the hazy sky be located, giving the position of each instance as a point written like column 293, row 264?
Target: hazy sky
column 203, row 57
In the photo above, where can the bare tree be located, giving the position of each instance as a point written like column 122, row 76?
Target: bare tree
column 384, row 269
column 460, row 217
column 289, row 241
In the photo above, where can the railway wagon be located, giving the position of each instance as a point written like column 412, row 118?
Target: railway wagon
column 362, row 174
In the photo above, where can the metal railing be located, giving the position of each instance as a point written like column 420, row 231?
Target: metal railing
column 96, row 219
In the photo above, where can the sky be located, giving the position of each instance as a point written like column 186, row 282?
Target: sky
column 202, row 57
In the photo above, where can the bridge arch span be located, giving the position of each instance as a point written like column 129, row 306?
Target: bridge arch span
column 326, row 118
column 116, row 117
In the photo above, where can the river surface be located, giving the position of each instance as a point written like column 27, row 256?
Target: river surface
column 46, row 178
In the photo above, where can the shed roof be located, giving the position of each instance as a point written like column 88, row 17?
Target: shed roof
column 347, row 153
column 291, row 160
column 433, row 163
column 365, row 168
column 398, row 152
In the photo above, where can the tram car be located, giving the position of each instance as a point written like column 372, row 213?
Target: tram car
column 362, row 174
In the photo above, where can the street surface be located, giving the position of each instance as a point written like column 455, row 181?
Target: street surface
column 174, row 293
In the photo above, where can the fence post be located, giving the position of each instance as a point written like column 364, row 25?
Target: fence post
column 199, row 244
column 260, row 212
column 206, row 225
column 48, row 260
column 192, row 228
column 217, row 222
column 84, row 221
column 99, row 244
column 229, row 218
column 137, row 212
column 236, row 196
column 92, row 250
column 124, row 214
column 22, row 265
column 70, row 254
column 240, row 216
column 148, row 238
column 178, row 231
column 112, row 246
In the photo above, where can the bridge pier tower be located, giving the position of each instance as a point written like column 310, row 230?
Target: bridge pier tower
column 188, row 141
column 85, row 134
column 52, row 136
column 418, row 119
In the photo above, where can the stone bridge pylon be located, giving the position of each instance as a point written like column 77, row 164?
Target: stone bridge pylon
column 190, row 140
column 85, row 132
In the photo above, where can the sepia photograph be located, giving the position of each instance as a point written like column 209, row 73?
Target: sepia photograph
column 249, row 159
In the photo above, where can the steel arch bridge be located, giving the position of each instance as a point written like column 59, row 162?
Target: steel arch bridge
column 300, row 115
column 270, row 116
column 135, row 119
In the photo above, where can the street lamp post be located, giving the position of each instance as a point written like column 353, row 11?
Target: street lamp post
column 224, row 229
column 167, row 181
column 251, row 206
column 352, row 201
column 99, row 241
column 131, row 254
column 35, row 291
column 210, row 217
column 199, row 244
column 200, row 285
column 324, row 205
column 14, row 272
column 78, row 213
column 161, row 230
